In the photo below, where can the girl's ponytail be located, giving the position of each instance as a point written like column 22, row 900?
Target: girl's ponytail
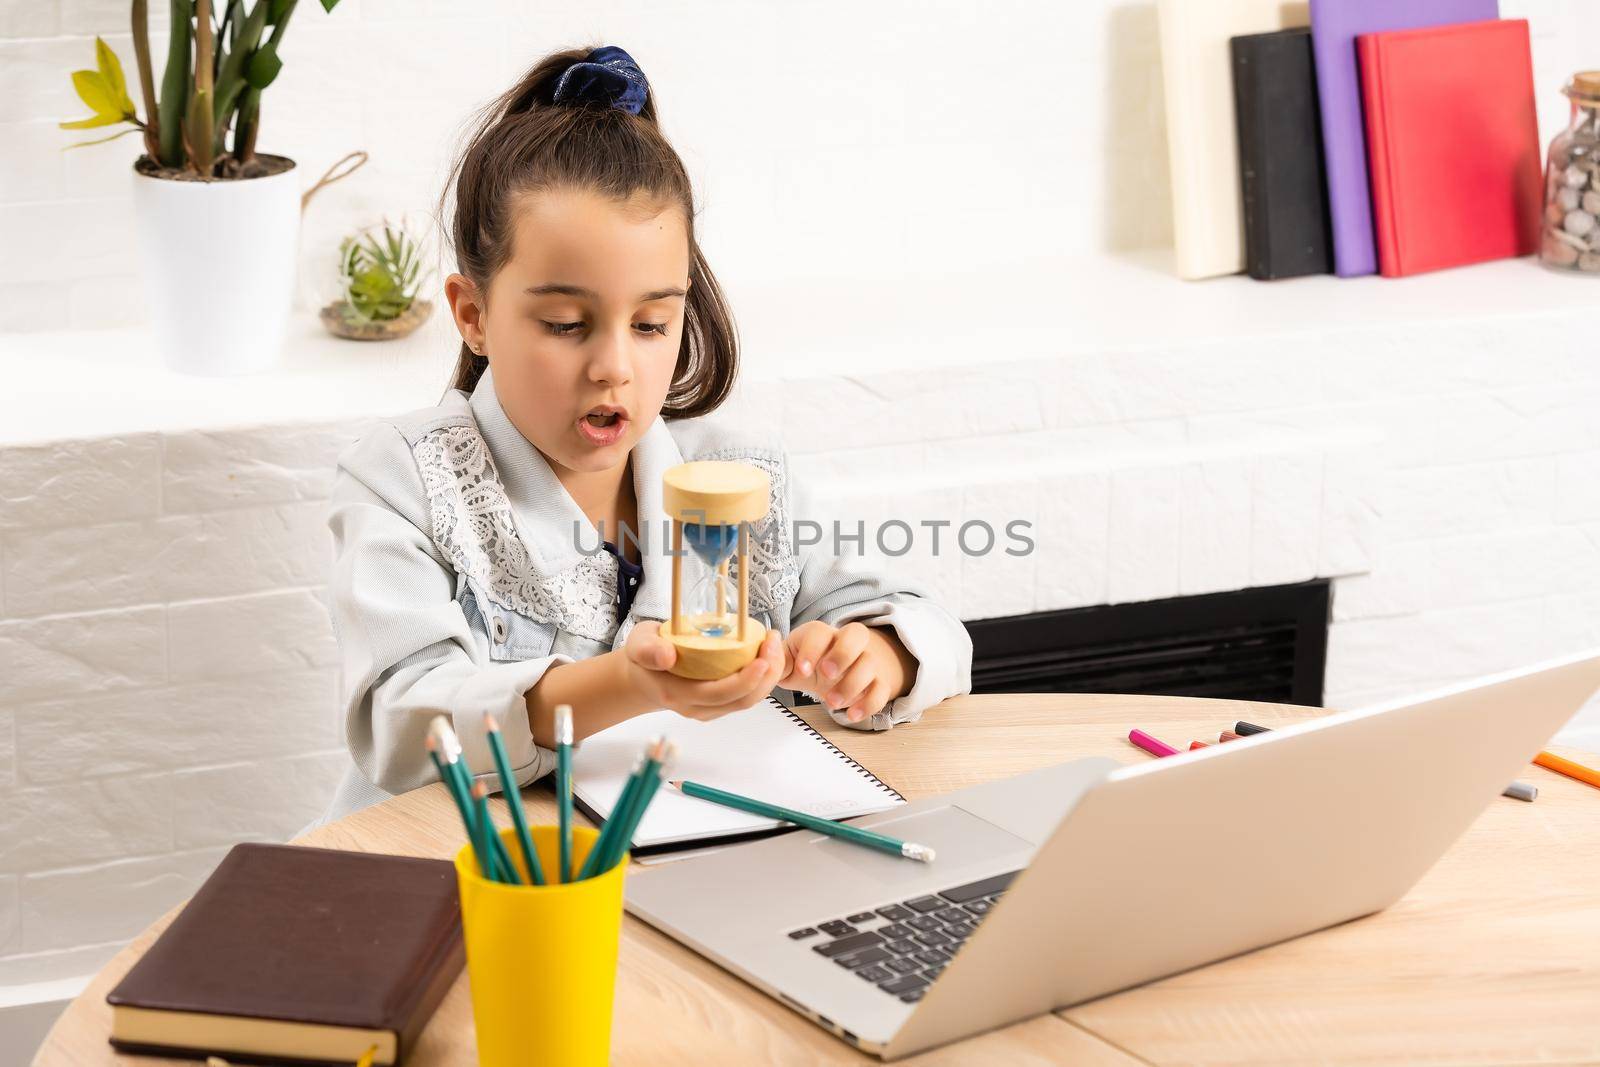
column 585, row 119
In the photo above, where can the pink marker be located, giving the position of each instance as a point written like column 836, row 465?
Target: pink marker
column 1152, row 745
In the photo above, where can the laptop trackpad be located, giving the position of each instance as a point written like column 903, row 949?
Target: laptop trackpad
column 957, row 837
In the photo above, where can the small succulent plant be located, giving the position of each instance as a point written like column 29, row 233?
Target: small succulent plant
column 380, row 271
column 380, row 274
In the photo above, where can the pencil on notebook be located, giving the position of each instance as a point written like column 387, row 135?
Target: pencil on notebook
column 508, row 786
column 844, row 831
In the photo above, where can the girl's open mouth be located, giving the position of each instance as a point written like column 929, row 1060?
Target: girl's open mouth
column 603, row 426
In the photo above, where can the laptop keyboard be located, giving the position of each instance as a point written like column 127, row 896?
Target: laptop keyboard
column 901, row 948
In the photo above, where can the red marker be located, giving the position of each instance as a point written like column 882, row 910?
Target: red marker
column 1150, row 744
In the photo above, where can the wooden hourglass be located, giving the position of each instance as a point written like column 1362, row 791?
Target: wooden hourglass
column 711, row 503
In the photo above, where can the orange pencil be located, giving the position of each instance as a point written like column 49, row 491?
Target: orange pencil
column 1587, row 775
column 1197, row 744
column 1228, row 735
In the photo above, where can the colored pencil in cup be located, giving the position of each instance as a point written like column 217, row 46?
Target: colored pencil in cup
column 613, row 825
column 508, row 786
column 564, row 786
column 463, row 806
column 843, row 831
column 1562, row 765
column 455, row 762
column 497, row 845
column 485, row 830
column 1245, row 729
column 1153, row 745
column 1227, row 735
column 480, row 836
column 459, row 781
column 657, row 757
column 431, row 743
column 1198, row 744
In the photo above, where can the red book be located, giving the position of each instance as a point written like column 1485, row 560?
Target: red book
column 1452, row 144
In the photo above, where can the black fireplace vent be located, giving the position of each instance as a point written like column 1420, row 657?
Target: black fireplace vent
column 1269, row 643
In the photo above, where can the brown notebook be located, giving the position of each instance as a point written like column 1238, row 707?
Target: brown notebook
column 300, row 955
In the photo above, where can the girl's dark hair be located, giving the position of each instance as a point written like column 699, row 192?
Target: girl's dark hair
column 524, row 142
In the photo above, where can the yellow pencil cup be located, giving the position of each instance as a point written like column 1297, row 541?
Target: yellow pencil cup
column 542, row 960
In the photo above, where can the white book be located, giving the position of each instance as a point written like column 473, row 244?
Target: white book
column 765, row 751
column 1202, row 125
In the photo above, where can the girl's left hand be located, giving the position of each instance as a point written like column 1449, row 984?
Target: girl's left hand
column 855, row 667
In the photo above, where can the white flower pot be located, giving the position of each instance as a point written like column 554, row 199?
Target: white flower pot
column 218, row 260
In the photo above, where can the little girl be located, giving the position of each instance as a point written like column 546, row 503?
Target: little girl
column 595, row 347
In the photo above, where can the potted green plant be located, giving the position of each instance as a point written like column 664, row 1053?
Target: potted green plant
column 217, row 221
column 380, row 273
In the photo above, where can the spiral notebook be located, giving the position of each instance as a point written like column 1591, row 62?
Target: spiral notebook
column 766, row 751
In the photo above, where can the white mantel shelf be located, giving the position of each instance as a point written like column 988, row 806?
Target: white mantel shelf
column 85, row 384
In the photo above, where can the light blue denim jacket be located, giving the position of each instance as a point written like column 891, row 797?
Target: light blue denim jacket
column 464, row 570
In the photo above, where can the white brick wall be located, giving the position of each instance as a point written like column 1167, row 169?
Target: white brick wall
column 169, row 673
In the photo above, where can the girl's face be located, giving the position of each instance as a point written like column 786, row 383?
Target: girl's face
column 586, row 314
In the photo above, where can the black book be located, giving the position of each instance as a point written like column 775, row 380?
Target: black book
column 1285, row 186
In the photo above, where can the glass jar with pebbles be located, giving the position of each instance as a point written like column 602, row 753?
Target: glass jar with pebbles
column 1572, row 184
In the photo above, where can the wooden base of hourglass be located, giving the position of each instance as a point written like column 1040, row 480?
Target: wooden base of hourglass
column 707, row 658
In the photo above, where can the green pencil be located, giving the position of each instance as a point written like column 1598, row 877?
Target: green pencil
column 456, row 763
column 657, row 757
column 505, row 870
column 497, row 844
column 448, row 779
column 508, row 785
column 451, row 787
column 564, row 786
column 485, row 830
column 443, row 745
column 613, row 825
column 843, row 831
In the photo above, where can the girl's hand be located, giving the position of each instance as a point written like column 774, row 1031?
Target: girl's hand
column 648, row 655
column 855, row 667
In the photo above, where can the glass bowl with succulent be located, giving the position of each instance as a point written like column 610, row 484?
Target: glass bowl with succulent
column 380, row 273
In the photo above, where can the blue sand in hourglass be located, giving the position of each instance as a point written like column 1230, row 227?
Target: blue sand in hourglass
column 712, row 543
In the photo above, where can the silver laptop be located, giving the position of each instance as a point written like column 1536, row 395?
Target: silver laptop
column 1086, row 878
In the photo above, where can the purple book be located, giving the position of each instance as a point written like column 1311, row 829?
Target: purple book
column 1335, row 24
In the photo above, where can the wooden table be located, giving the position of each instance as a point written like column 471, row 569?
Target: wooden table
column 1493, row 958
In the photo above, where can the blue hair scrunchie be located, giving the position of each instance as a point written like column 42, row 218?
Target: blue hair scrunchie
column 607, row 75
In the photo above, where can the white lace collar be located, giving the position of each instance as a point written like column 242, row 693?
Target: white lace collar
column 546, row 514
